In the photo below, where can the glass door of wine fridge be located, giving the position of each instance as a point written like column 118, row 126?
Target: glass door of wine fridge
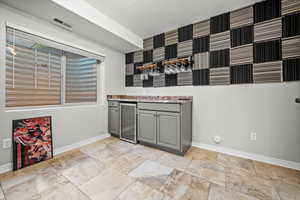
column 128, row 122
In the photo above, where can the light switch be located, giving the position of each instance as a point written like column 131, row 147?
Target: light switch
column 7, row 143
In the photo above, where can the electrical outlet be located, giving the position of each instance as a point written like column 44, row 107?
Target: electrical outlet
column 253, row 136
column 6, row 143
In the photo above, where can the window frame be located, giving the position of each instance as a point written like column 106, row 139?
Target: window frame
column 99, row 71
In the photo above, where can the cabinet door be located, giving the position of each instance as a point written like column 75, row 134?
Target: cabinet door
column 168, row 130
column 113, row 121
column 147, row 126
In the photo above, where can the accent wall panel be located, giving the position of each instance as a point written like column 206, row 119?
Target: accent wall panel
column 148, row 44
column 291, row 70
column 201, row 60
column 201, row 29
column 220, row 23
column 291, row 48
column 220, row 41
column 241, row 55
column 241, row 74
column 185, row 78
column 201, row 77
column 149, row 82
column 185, row 48
column 291, row 25
column 185, row 33
column 159, row 81
column 159, row 41
column 268, row 30
column 267, row 72
column 259, row 43
column 138, row 57
column 129, row 81
column 129, row 69
column 220, row 76
column 171, row 37
column 201, row 44
column 159, row 54
column 137, row 81
column 219, row 58
column 267, row 10
column 289, row 6
column 241, row 17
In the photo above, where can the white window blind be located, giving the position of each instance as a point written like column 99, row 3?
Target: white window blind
column 33, row 71
column 81, row 79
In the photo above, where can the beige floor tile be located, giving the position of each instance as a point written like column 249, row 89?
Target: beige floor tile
column 209, row 170
column 151, row 173
column 201, row 154
column 84, row 170
column 1, row 193
column 236, row 164
column 107, row 185
column 251, row 185
column 122, row 146
column 31, row 185
column 107, row 156
column 183, row 186
column 65, row 192
column 220, row 193
column 273, row 172
column 147, row 152
column 287, row 191
column 140, row 191
column 127, row 163
column 174, row 161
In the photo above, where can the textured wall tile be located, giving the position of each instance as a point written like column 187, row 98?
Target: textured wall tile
column 201, row 77
column 159, row 81
column 267, row 10
column 185, row 48
column 201, row 29
column 241, row 17
column 129, row 58
column 159, row 41
column 291, row 48
column 267, row 51
column 219, row 58
column 171, row 51
column 149, row 82
column 268, row 30
column 201, row 60
column 220, row 23
column 138, row 56
column 241, row 74
column 148, row 43
column 137, row 81
column 159, row 54
column 220, row 76
column 291, row 69
column 129, row 81
column 220, row 41
column 185, row 78
column 290, row 6
column 267, row 72
column 171, row 37
column 241, row 36
column 291, row 25
column 148, row 56
column 201, row 44
column 129, row 69
column 241, row 55
column 185, row 33
column 171, row 80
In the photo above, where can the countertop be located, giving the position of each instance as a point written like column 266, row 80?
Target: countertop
column 151, row 99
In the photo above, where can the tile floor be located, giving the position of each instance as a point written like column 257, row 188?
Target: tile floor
column 115, row 170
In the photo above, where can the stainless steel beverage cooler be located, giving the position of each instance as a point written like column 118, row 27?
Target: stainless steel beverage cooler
column 128, row 122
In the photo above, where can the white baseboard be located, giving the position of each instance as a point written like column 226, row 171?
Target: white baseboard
column 256, row 157
column 8, row 167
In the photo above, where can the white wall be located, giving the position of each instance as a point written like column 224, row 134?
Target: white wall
column 70, row 124
column 234, row 111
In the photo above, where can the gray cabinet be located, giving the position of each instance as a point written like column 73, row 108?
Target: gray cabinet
column 168, row 130
column 147, row 126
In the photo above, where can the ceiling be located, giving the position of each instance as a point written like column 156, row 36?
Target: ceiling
column 149, row 17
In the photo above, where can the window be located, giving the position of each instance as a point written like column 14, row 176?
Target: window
column 41, row 72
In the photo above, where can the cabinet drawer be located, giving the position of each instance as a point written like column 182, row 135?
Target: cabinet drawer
column 160, row 107
column 113, row 103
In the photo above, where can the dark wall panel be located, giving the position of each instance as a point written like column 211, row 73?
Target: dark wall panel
column 171, row 51
column 159, row 41
column 129, row 81
column 201, row 77
column 291, row 25
column 267, row 10
column 185, row 33
column 219, row 23
column 201, row 44
column 267, row 51
column 148, row 56
column 241, row 74
column 171, row 80
column 149, row 82
column 129, row 58
column 241, row 36
column 291, row 70
column 219, row 58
